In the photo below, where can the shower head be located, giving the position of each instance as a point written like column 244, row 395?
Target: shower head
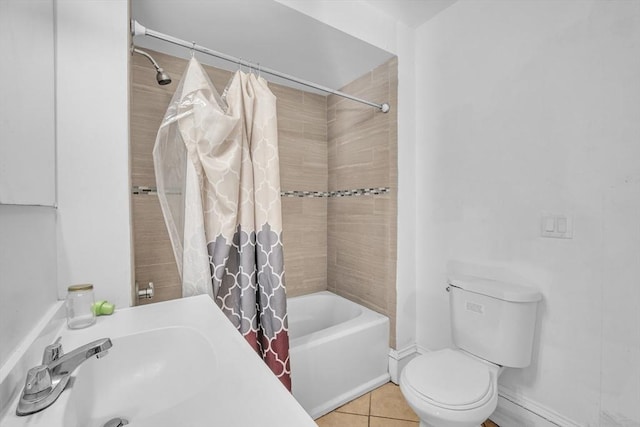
column 161, row 76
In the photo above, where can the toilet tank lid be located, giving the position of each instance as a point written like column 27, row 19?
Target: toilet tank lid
column 502, row 290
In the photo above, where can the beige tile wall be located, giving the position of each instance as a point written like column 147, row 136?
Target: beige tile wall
column 302, row 131
column 302, row 139
column 361, row 245
column 153, row 256
column 345, row 244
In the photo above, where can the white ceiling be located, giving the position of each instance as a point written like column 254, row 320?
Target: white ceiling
column 260, row 31
column 273, row 35
column 411, row 12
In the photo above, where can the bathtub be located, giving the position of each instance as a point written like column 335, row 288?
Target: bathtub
column 338, row 351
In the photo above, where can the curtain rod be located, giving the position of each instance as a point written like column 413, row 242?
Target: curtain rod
column 138, row 29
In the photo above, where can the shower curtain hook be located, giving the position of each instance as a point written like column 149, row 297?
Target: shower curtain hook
column 193, row 49
column 259, row 71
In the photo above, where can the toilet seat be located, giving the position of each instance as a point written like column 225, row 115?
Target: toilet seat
column 450, row 379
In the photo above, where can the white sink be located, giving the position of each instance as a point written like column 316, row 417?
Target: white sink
column 177, row 363
column 143, row 374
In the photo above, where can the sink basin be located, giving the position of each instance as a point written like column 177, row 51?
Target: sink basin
column 174, row 363
column 143, row 374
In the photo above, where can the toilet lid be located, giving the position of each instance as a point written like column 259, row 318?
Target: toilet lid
column 449, row 378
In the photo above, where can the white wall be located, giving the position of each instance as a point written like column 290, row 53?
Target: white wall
column 27, row 121
column 528, row 107
column 27, row 271
column 407, row 271
column 94, row 243
column 27, row 170
column 43, row 250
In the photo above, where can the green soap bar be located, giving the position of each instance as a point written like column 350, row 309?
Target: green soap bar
column 107, row 308
column 103, row 307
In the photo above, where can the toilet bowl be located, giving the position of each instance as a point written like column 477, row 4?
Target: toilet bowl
column 450, row 388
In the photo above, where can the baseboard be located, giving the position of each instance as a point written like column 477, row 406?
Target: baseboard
column 518, row 411
column 398, row 359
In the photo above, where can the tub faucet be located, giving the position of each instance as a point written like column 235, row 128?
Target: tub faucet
column 45, row 382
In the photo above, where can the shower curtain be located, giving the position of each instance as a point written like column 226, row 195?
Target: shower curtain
column 217, row 172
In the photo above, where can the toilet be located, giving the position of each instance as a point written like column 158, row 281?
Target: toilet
column 492, row 325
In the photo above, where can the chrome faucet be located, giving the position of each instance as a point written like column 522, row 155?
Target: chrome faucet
column 45, row 382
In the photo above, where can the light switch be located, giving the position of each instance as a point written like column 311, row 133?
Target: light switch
column 556, row 226
column 562, row 224
column 549, row 224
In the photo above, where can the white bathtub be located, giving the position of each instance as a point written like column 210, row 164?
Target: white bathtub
column 338, row 351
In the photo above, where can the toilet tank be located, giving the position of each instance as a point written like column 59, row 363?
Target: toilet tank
column 493, row 320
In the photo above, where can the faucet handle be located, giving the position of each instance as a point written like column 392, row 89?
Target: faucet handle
column 52, row 352
column 38, row 383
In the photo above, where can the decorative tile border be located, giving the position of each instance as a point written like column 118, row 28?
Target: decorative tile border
column 360, row 192
column 339, row 193
column 374, row 191
column 144, row 190
column 297, row 193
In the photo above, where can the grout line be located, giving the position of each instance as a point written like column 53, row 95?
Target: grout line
column 392, row 418
column 395, row 419
column 370, row 416
column 370, row 400
column 338, row 411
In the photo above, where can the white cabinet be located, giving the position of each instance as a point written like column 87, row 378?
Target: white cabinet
column 27, row 103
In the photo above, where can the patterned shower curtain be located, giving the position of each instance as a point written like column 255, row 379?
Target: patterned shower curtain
column 217, row 171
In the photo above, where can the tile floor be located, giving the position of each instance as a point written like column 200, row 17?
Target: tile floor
column 383, row 407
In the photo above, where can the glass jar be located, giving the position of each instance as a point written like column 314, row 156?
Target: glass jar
column 80, row 306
